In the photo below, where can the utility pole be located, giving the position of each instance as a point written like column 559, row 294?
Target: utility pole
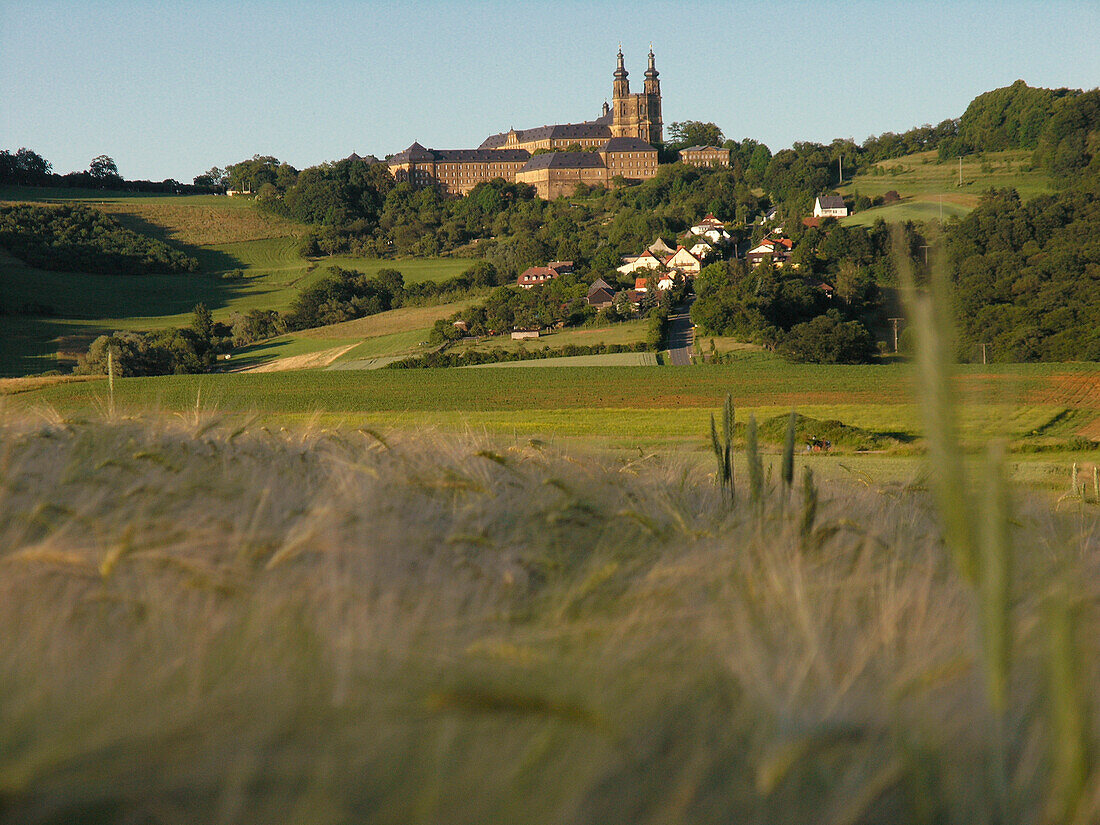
column 895, row 320
column 983, row 346
column 924, row 246
column 841, row 159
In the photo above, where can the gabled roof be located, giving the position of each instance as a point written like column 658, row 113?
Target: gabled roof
column 562, row 131
column 562, row 160
column 627, row 144
column 704, row 148
column 480, row 155
column 599, row 284
column 831, row 201
column 537, row 275
column 414, row 153
column 640, row 283
column 659, row 245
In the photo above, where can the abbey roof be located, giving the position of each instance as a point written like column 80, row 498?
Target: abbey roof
column 561, row 131
column 563, row 160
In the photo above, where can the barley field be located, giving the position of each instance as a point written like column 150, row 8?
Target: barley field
column 210, row 620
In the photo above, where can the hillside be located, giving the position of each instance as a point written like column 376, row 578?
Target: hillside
column 930, row 187
column 248, row 259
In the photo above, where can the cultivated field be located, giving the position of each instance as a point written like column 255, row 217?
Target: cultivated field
column 213, row 621
column 1046, row 412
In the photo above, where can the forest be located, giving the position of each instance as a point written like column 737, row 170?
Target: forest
column 81, row 239
column 1027, row 277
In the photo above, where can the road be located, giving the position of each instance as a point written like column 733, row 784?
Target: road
column 680, row 335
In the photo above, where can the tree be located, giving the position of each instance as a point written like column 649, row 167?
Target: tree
column 103, row 168
column 693, row 133
column 202, row 322
column 215, row 177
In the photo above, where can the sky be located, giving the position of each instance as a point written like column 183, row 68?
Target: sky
column 170, row 89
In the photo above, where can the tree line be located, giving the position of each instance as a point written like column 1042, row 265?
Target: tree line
column 1027, row 277
column 81, row 239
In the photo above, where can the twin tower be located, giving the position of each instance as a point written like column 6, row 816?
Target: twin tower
column 636, row 115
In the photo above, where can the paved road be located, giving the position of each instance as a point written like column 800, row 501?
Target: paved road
column 680, row 335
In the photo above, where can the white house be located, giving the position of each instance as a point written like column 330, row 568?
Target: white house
column 830, row 206
column 701, row 250
column 779, row 249
column 683, row 261
column 708, row 223
column 647, row 260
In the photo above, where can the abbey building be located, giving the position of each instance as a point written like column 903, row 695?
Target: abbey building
column 554, row 159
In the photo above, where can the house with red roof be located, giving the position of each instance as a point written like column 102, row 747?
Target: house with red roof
column 647, row 260
column 683, row 261
column 536, row 276
column 778, row 248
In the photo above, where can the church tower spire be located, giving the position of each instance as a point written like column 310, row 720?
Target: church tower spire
column 621, row 87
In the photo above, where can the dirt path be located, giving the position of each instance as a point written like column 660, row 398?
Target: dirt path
column 312, row 360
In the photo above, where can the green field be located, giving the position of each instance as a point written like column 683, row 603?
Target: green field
column 248, row 260
column 1040, row 404
column 396, row 332
column 625, row 332
column 925, row 184
column 610, row 359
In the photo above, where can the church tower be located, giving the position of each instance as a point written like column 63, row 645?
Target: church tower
column 620, row 91
column 637, row 115
column 654, row 125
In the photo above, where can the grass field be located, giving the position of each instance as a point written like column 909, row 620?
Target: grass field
column 226, row 235
column 396, row 332
column 625, row 332
column 611, row 359
column 1033, row 406
column 925, row 184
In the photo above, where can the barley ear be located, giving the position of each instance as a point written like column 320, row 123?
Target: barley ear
column 995, row 586
column 788, row 451
column 1068, row 711
column 929, row 314
column 756, row 467
column 809, row 503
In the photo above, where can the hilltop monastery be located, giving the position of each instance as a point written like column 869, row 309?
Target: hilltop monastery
column 554, row 159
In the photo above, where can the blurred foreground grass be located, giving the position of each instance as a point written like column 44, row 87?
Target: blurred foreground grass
column 206, row 620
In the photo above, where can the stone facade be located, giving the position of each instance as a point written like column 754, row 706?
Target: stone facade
column 705, row 156
column 618, row 144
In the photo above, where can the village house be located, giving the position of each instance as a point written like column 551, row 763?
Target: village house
column 536, row 276
column 660, row 248
column 705, row 225
column 647, row 260
column 830, row 206
column 601, row 294
column 683, row 261
column 659, row 283
column 779, row 249
column 701, row 250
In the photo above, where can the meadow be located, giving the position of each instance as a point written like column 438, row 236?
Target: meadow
column 930, row 188
column 248, row 260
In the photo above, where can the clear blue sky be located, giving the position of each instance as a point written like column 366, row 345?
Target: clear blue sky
column 171, row 89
